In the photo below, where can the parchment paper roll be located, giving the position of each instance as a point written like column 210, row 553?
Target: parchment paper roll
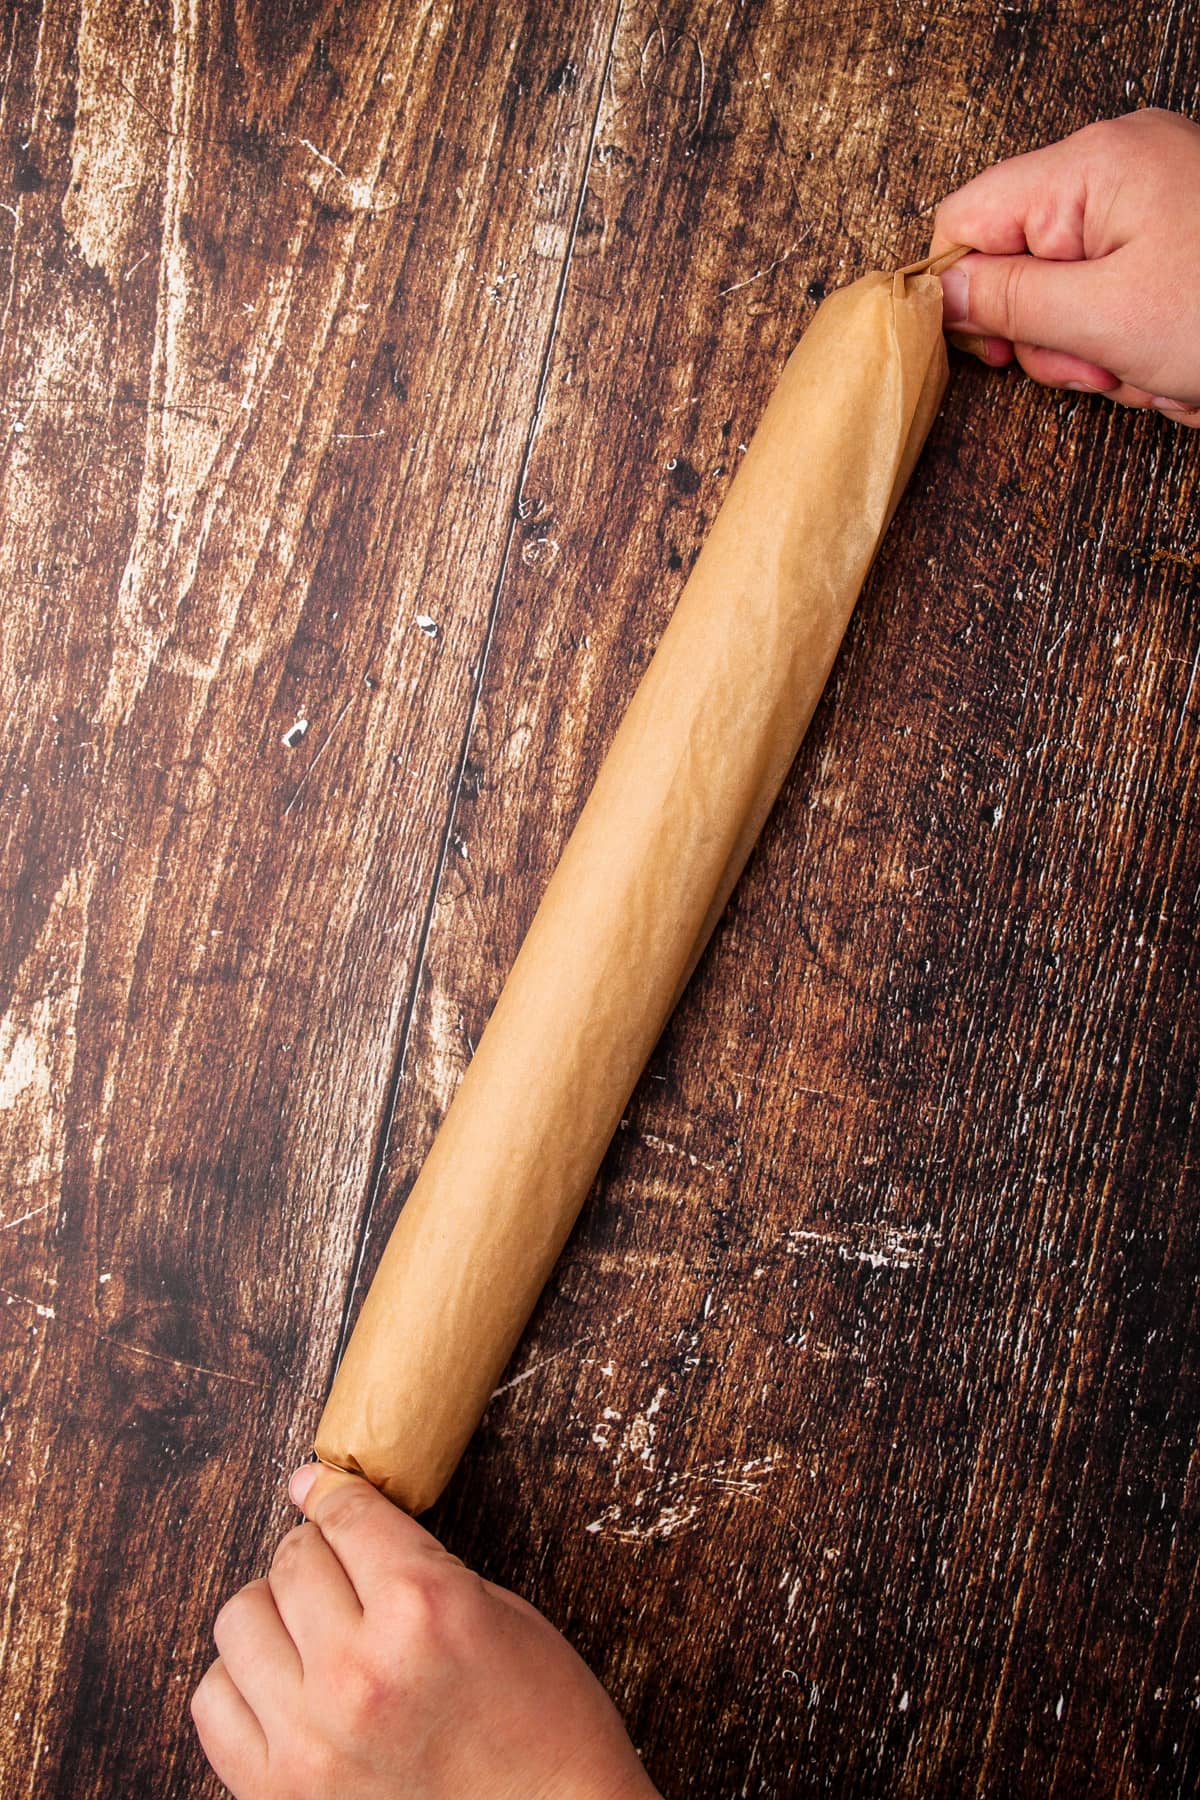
column 680, row 798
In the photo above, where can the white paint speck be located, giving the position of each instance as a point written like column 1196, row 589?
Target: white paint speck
column 43, row 1312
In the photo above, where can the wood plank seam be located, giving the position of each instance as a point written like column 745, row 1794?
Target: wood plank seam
column 379, row 1163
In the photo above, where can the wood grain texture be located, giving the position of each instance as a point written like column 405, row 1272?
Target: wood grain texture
column 239, row 439
column 369, row 377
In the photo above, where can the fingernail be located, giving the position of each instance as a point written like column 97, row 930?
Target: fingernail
column 1081, row 387
column 954, row 298
column 301, row 1482
column 1161, row 401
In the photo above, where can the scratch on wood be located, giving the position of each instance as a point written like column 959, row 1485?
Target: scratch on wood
column 894, row 1246
column 360, row 193
column 171, row 1362
column 34, row 1213
column 702, row 95
column 321, row 749
column 589, row 1338
column 536, row 1368
column 737, row 286
column 681, row 1511
column 1187, row 698
column 116, row 1343
column 163, row 130
column 653, row 1142
column 43, row 1312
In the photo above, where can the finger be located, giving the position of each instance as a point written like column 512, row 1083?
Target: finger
column 1034, row 202
column 1125, row 394
column 312, row 1594
column 996, row 352
column 1179, row 410
column 1128, row 395
column 230, row 1735
column 1058, row 305
column 256, row 1649
column 1057, row 368
column 372, row 1539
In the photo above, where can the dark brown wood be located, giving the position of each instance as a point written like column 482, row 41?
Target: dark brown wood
column 381, row 368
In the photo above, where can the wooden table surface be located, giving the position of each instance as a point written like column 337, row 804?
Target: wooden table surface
column 370, row 374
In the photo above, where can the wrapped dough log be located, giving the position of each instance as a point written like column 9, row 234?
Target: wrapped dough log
column 677, row 805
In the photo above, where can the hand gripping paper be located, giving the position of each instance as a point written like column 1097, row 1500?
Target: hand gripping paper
column 680, row 798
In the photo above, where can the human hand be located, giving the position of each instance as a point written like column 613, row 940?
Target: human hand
column 372, row 1665
column 1108, row 297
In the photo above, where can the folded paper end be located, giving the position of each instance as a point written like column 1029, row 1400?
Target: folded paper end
column 928, row 265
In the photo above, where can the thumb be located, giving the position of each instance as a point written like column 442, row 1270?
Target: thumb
column 314, row 1483
column 1030, row 300
column 372, row 1539
column 356, row 1521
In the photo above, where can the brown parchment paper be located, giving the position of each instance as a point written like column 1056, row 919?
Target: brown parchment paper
column 680, row 798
